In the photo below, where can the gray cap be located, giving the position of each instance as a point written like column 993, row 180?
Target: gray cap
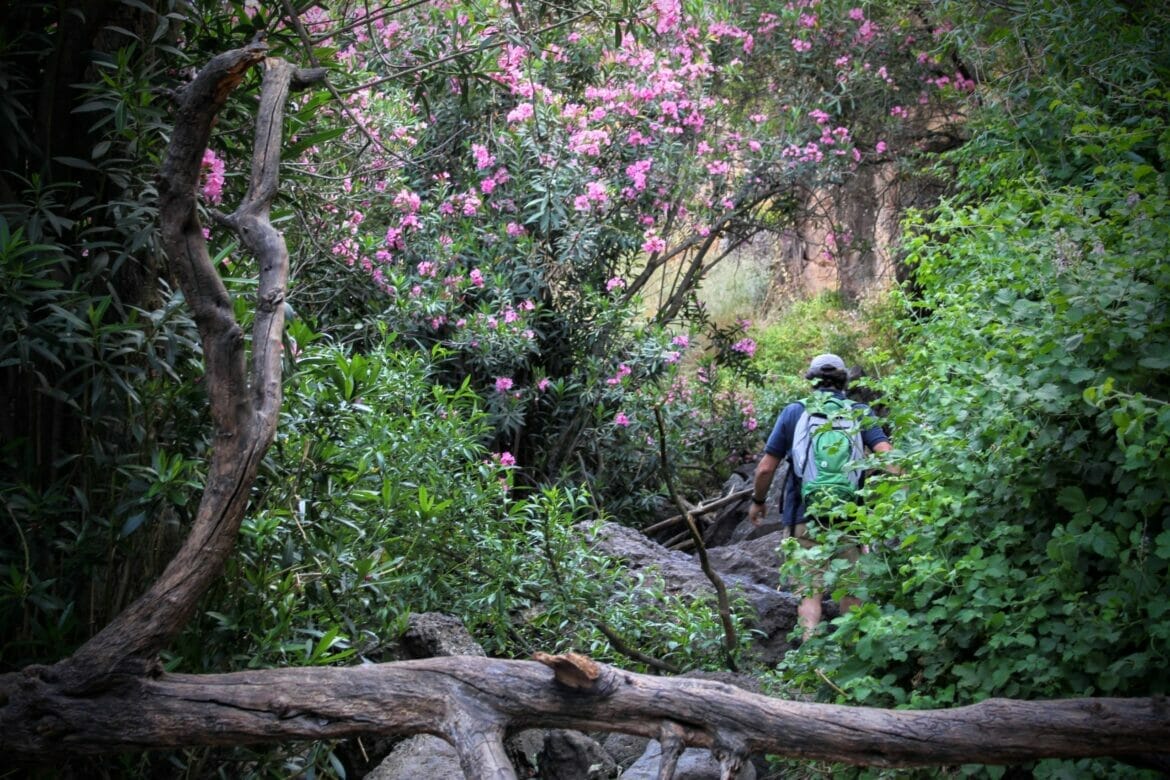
column 826, row 365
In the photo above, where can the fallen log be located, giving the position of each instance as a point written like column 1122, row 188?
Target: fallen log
column 472, row 701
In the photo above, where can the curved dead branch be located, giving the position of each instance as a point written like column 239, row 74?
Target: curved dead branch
column 244, row 409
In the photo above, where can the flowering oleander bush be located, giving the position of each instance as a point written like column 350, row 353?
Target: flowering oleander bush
column 519, row 203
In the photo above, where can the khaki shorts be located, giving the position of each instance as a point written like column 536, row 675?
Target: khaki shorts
column 849, row 552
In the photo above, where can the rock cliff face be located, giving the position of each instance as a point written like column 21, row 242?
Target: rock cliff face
column 848, row 240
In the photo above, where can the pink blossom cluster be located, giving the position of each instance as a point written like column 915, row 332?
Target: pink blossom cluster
column 213, row 176
column 626, row 143
column 623, row 371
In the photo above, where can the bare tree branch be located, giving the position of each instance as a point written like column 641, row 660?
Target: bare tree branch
column 244, row 411
column 730, row 642
column 443, row 696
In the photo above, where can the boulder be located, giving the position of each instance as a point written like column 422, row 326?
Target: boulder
column 625, row 749
column 693, row 764
column 756, row 559
column 432, row 634
column 775, row 612
column 570, row 755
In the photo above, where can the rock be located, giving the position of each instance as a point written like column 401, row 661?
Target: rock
column 432, row 634
column 570, row 755
column 420, row 756
column 693, row 764
column 756, row 560
column 625, row 748
column 523, row 749
column 682, row 576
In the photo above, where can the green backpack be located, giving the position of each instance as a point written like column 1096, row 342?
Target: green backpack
column 826, row 448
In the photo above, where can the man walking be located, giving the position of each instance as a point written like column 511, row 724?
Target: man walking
column 820, row 436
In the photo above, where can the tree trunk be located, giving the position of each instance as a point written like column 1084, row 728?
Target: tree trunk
column 472, row 701
column 111, row 695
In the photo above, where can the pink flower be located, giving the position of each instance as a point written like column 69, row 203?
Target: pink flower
column 668, row 14
column 880, row 147
column 407, row 201
column 616, row 283
column 515, row 229
column 621, row 419
column 622, row 372
column 856, row 14
column 476, row 277
column 681, row 341
column 503, row 384
column 595, row 191
column 637, row 172
column 653, row 243
column 544, row 384
column 800, row 45
column 483, row 158
column 520, row 113
column 868, row 31
column 745, row 346
column 213, row 181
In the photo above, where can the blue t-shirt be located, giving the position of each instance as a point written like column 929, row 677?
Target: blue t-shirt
column 780, row 443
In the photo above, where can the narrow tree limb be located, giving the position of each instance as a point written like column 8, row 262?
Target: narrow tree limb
column 40, row 717
column 623, row 647
column 672, row 739
column 730, row 641
column 244, row 411
column 702, row 509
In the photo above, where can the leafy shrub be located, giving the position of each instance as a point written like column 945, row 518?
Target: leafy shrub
column 1027, row 551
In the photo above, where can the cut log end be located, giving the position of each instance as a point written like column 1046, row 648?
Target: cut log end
column 573, row 670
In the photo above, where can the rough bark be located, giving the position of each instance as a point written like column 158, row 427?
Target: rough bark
column 111, row 696
column 244, row 408
column 470, row 701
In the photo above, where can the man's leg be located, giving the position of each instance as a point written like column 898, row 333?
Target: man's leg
column 852, row 554
column 808, row 614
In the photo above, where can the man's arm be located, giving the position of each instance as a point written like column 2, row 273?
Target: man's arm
column 885, row 446
column 765, row 473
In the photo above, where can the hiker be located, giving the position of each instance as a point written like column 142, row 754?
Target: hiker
column 805, row 433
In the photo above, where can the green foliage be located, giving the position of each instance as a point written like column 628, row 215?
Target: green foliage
column 806, row 328
column 379, row 500
column 1025, row 553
